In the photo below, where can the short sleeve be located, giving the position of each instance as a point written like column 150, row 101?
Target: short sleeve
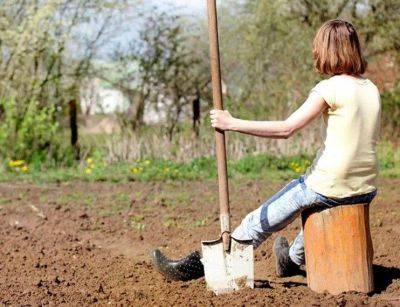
column 326, row 90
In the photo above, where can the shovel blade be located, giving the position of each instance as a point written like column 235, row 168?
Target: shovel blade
column 228, row 271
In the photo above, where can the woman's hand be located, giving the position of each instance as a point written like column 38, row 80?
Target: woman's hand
column 221, row 119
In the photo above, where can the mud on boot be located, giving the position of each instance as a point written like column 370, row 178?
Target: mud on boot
column 285, row 267
column 187, row 268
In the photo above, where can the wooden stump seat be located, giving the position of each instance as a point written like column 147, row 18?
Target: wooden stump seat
column 338, row 249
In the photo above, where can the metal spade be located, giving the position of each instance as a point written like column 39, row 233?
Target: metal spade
column 228, row 263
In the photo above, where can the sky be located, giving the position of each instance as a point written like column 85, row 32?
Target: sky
column 188, row 6
column 191, row 7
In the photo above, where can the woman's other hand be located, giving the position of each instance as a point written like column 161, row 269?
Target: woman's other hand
column 221, row 119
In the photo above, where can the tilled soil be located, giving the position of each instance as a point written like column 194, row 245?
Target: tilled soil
column 81, row 243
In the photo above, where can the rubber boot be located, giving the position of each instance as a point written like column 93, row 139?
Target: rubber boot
column 285, row 267
column 187, row 268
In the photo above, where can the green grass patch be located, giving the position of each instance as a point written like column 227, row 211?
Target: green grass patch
column 251, row 167
column 136, row 222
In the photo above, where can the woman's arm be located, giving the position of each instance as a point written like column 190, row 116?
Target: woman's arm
column 312, row 108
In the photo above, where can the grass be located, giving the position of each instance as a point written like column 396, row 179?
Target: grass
column 202, row 222
column 171, row 222
column 136, row 222
column 5, row 201
column 158, row 169
column 250, row 167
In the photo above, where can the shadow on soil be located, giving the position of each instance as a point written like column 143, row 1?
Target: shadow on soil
column 263, row 284
column 384, row 276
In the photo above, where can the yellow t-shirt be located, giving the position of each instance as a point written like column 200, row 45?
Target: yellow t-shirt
column 346, row 165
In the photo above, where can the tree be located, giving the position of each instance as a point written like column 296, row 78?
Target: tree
column 44, row 56
column 158, row 70
column 266, row 47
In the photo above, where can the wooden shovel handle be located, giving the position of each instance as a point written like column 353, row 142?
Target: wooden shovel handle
column 219, row 135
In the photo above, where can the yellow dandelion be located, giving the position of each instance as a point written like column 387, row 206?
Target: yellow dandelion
column 25, row 169
column 88, row 171
column 16, row 163
column 135, row 170
column 147, row 162
column 297, row 169
column 89, row 161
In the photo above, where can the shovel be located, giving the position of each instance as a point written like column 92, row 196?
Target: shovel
column 228, row 263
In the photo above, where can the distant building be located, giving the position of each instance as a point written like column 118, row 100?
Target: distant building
column 99, row 98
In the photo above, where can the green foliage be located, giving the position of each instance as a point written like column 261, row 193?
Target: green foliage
column 267, row 67
column 36, row 38
column 171, row 222
column 40, row 74
column 391, row 111
column 202, row 222
column 266, row 47
column 159, row 169
column 158, row 72
column 30, row 134
column 389, row 159
column 153, row 169
column 253, row 164
column 136, row 222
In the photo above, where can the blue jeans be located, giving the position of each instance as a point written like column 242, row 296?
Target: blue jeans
column 285, row 206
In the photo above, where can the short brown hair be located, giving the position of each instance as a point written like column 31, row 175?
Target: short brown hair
column 336, row 49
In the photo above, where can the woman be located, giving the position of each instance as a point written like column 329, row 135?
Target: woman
column 345, row 169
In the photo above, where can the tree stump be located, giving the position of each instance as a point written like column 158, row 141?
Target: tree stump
column 338, row 249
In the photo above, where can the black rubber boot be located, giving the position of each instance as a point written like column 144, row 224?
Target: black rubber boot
column 285, row 267
column 183, row 269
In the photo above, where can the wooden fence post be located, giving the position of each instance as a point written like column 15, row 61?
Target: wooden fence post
column 73, row 123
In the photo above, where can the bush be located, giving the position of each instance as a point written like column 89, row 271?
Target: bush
column 389, row 157
column 30, row 133
column 391, row 112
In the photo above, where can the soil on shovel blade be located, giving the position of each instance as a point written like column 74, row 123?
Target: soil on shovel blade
column 81, row 243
